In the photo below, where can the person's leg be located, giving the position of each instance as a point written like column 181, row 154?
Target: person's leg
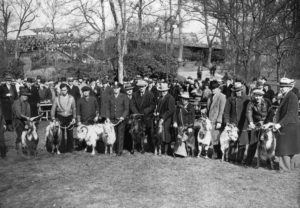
column 251, row 153
column 121, row 128
column 295, row 161
column 150, row 145
column 285, row 163
column 2, row 146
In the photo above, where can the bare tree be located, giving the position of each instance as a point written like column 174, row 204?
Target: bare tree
column 93, row 14
column 121, row 19
column 25, row 11
column 6, row 10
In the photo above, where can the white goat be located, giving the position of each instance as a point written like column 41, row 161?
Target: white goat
column 230, row 133
column 204, row 135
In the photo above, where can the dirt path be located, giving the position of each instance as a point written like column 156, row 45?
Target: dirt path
column 80, row 180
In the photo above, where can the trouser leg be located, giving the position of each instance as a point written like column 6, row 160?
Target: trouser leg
column 295, row 162
column 251, row 153
column 2, row 147
column 285, row 163
column 120, row 137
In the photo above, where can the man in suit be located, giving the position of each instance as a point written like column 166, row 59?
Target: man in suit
column 116, row 112
column 8, row 95
column 143, row 103
column 288, row 125
column 34, row 98
column 235, row 112
column 215, row 109
column 74, row 90
column 165, row 110
column 105, row 93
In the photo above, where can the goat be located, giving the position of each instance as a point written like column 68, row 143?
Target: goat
column 137, row 131
column 230, row 133
column 158, row 136
column 266, row 146
column 53, row 136
column 188, row 137
column 29, row 137
column 204, row 135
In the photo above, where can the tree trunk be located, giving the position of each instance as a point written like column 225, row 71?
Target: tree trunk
column 171, row 28
column 103, row 34
column 120, row 56
column 140, row 23
column 180, row 32
column 210, row 49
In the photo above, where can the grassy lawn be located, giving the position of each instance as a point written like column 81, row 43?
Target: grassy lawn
column 81, row 180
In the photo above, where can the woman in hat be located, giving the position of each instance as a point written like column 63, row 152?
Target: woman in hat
column 288, row 125
column 165, row 110
column 235, row 112
column 184, row 116
column 257, row 114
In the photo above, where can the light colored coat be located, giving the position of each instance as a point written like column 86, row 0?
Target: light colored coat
column 215, row 110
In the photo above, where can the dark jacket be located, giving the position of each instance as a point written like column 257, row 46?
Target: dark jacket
column 87, row 109
column 144, row 105
column 105, row 94
column 166, row 109
column 7, row 99
column 33, row 100
column 184, row 116
column 75, row 92
column 235, row 112
column 296, row 91
column 117, row 107
column 288, row 137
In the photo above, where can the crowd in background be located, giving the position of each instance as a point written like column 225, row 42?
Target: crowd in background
column 89, row 100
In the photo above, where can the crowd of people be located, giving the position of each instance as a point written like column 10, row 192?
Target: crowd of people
column 175, row 104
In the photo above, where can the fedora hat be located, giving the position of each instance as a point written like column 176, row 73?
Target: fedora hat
column 258, row 91
column 117, row 85
column 185, row 95
column 8, row 77
column 214, row 84
column 286, row 82
column 141, row 83
column 24, row 91
column 237, row 87
column 128, row 86
column 163, row 87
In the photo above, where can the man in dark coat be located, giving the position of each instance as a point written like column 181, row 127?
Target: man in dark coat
column 165, row 110
column 235, row 112
column 105, row 93
column 116, row 112
column 143, row 103
column 74, row 90
column 8, row 95
column 288, row 124
column 34, row 98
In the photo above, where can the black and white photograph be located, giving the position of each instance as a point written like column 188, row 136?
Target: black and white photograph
column 149, row 103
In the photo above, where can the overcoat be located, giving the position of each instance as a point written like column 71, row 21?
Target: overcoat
column 75, row 92
column 144, row 104
column 288, row 137
column 235, row 112
column 105, row 94
column 184, row 116
column 215, row 109
column 166, row 109
column 33, row 100
column 117, row 107
column 8, row 96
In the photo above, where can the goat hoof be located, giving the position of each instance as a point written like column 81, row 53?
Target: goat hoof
column 58, row 152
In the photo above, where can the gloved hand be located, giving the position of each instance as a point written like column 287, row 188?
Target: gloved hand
column 252, row 125
column 277, row 126
column 190, row 130
column 175, row 125
column 218, row 126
